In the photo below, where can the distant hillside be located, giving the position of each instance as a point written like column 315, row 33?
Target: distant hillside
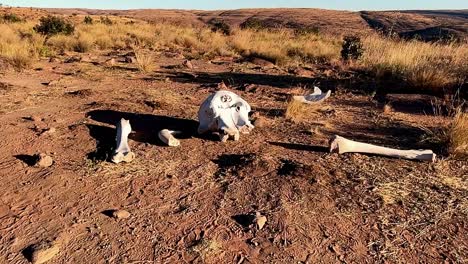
column 426, row 25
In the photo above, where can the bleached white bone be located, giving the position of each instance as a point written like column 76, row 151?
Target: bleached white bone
column 167, row 136
column 316, row 97
column 343, row 145
column 224, row 112
column 122, row 151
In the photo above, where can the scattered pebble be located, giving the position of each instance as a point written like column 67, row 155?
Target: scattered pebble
column 49, row 131
column 53, row 59
column 111, row 62
column 260, row 220
column 260, row 122
column 120, row 214
column 43, row 160
column 188, row 64
column 130, row 59
column 222, row 86
column 73, row 59
column 41, row 253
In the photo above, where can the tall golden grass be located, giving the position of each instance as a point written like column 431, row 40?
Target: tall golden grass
column 458, row 135
column 421, row 65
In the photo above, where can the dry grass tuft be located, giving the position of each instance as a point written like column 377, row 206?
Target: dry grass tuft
column 144, row 61
column 392, row 192
column 298, row 112
column 458, row 135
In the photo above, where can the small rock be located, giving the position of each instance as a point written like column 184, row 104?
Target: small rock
column 49, row 131
column 42, row 252
column 110, row 62
column 43, row 160
column 260, row 220
column 251, row 88
column 120, row 214
column 73, row 59
column 188, row 64
column 35, row 118
column 263, row 63
column 222, row 86
column 53, row 82
column 260, row 122
column 54, row 60
column 130, row 59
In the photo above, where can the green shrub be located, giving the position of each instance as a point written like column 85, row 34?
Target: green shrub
column 88, row 20
column 52, row 25
column 351, row 48
column 106, row 21
column 220, row 26
column 306, row 30
column 11, row 18
column 253, row 23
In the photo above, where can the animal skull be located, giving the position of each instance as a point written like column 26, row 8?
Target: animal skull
column 316, row 97
column 343, row 145
column 224, row 112
column 122, row 151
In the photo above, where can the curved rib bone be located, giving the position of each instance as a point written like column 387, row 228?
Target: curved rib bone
column 343, row 145
column 167, row 136
column 122, row 151
column 316, row 97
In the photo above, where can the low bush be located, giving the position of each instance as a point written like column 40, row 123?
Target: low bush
column 52, row 25
column 352, row 48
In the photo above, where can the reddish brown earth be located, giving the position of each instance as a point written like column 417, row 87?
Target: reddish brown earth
column 194, row 203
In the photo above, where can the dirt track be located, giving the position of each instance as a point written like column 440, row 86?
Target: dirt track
column 193, row 203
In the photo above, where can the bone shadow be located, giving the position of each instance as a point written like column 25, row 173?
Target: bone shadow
column 302, row 147
column 105, row 142
column 30, row 160
column 145, row 126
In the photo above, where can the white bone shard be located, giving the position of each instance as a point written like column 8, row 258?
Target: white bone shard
column 343, row 145
column 226, row 113
column 122, row 151
column 167, row 136
column 316, row 97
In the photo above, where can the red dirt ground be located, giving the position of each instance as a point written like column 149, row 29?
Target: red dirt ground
column 194, row 203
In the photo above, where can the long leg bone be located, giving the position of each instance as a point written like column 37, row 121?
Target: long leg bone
column 122, row 151
column 343, row 145
column 167, row 136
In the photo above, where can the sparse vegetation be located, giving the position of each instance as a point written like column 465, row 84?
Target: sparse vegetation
column 220, row 26
column 88, row 20
column 53, row 25
column 144, row 61
column 10, row 18
column 458, row 135
column 352, row 48
column 254, row 24
column 297, row 111
column 106, row 21
column 431, row 66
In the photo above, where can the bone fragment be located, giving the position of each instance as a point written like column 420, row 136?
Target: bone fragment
column 342, row 145
column 167, row 136
column 316, row 97
column 122, row 152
